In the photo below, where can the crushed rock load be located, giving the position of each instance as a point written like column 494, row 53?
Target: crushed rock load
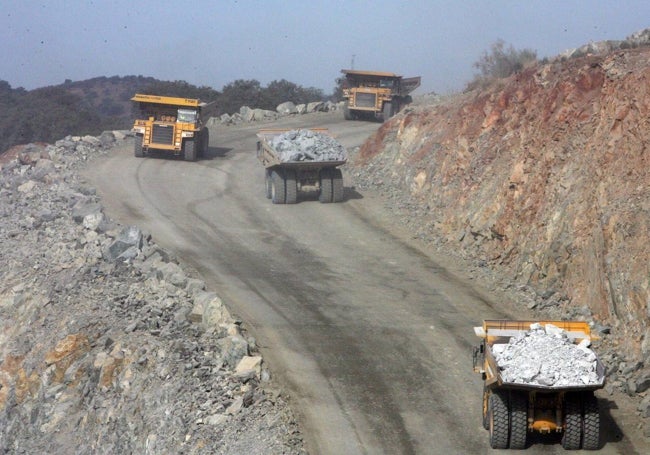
column 546, row 356
column 307, row 145
column 107, row 345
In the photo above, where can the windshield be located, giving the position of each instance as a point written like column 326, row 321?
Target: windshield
column 186, row 115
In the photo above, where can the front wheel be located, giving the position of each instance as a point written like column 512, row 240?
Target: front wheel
column 137, row 146
column 347, row 115
column 205, row 142
column 486, row 413
column 388, row 111
column 268, row 183
column 189, row 151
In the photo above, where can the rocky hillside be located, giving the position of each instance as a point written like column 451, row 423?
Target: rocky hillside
column 542, row 178
column 107, row 345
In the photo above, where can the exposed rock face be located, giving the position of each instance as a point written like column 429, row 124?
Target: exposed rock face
column 106, row 344
column 543, row 177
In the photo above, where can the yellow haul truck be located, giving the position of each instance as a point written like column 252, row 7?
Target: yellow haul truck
column 286, row 177
column 171, row 124
column 375, row 94
column 514, row 409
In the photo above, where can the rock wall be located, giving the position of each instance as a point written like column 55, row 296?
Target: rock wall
column 543, row 177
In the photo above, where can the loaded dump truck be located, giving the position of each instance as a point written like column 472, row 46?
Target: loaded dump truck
column 172, row 125
column 301, row 160
column 539, row 377
column 375, row 94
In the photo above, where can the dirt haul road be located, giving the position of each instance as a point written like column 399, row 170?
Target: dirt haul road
column 370, row 334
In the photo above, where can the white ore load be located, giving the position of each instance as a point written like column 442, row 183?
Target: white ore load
column 307, row 145
column 546, row 356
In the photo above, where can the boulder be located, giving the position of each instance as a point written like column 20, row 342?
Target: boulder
column 316, row 106
column 247, row 114
column 287, row 108
column 129, row 238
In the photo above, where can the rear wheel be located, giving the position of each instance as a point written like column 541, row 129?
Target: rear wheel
column 499, row 420
column 137, row 146
column 291, row 187
column 518, row 419
column 278, row 188
column 325, row 195
column 337, row 185
column 572, row 437
column 591, row 422
column 189, row 151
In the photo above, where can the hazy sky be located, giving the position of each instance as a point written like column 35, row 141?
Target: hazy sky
column 304, row 41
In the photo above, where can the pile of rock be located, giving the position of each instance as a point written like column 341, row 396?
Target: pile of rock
column 307, row 145
column 545, row 355
column 247, row 114
column 107, row 345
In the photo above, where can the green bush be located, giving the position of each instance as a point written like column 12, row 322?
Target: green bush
column 500, row 62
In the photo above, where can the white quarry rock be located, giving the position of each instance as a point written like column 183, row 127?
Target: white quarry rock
column 546, row 356
column 307, row 145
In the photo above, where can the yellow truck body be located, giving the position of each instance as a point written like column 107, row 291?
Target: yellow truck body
column 512, row 410
column 376, row 94
column 171, row 125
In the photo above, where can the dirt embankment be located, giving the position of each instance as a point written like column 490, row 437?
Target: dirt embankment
column 543, row 177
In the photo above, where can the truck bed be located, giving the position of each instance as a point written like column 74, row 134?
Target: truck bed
column 500, row 332
column 270, row 158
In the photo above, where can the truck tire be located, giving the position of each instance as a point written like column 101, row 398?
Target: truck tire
column 268, row 183
column 518, row 420
column 591, row 422
column 347, row 115
column 189, row 150
column 137, row 146
column 499, row 420
column 278, row 189
column 337, row 185
column 388, row 111
column 572, row 437
column 325, row 195
column 291, row 186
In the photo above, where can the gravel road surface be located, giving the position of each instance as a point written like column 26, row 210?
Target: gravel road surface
column 371, row 334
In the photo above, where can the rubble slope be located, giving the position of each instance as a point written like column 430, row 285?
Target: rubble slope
column 543, row 177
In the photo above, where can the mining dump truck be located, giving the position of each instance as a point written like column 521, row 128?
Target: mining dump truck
column 301, row 160
column 171, row 125
column 539, row 376
column 375, row 94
